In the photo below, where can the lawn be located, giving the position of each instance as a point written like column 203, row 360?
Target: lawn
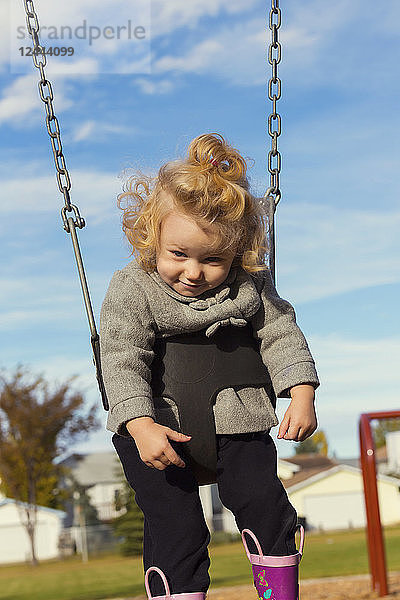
column 338, row 553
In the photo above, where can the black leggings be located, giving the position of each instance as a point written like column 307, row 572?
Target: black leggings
column 175, row 533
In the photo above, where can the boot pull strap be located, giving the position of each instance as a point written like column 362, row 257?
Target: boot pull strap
column 164, row 579
column 255, row 540
column 301, row 529
column 257, row 543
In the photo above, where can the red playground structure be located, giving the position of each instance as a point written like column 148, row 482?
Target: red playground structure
column 376, row 547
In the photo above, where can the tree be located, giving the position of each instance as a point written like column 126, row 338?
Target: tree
column 37, row 425
column 383, row 426
column 129, row 526
column 316, row 444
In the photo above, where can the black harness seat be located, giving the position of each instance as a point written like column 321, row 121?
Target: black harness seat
column 191, row 369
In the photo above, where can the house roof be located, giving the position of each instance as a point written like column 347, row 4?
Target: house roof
column 312, row 475
column 351, row 462
column 307, row 465
column 311, row 460
column 95, row 468
column 7, row 501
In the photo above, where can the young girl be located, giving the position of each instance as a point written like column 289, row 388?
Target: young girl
column 196, row 345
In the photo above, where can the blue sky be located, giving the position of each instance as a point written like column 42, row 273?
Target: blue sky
column 204, row 69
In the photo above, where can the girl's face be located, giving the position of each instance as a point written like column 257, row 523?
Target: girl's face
column 184, row 260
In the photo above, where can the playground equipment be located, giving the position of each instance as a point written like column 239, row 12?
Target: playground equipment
column 72, row 223
column 282, row 571
column 376, row 547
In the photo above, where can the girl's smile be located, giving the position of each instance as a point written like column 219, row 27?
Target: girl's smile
column 185, row 260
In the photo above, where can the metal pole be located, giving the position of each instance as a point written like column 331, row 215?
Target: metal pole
column 71, row 225
column 368, row 510
column 82, row 525
column 82, row 275
column 376, row 546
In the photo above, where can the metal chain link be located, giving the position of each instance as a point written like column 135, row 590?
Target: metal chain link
column 52, row 124
column 64, row 183
column 274, row 94
column 273, row 194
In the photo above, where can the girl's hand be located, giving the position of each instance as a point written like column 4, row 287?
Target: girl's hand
column 152, row 442
column 300, row 420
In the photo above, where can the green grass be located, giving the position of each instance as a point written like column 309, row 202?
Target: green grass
column 327, row 555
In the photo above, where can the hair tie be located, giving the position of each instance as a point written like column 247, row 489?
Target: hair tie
column 214, row 162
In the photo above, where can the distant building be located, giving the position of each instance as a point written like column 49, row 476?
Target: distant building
column 393, row 452
column 329, row 494
column 100, row 473
column 15, row 544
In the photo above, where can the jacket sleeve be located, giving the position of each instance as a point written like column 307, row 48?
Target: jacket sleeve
column 284, row 349
column 126, row 349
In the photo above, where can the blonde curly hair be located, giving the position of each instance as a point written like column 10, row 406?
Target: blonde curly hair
column 210, row 186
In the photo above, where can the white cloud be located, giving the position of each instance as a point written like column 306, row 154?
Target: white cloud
column 361, row 368
column 230, row 54
column 151, row 86
column 84, row 131
column 323, row 251
column 83, row 67
column 60, row 367
column 98, row 130
column 174, row 14
column 12, row 320
column 82, row 26
column 356, row 376
column 97, row 191
column 237, row 52
column 21, row 98
column 43, row 300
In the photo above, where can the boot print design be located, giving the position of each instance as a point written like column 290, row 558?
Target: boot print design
column 267, row 595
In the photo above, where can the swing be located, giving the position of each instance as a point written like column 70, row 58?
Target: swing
column 242, row 349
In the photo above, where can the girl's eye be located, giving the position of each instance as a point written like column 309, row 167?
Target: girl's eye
column 179, row 254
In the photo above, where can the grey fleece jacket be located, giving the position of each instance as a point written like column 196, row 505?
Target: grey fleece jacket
column 140, row 306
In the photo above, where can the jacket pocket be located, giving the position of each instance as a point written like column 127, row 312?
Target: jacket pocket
column 257, row 400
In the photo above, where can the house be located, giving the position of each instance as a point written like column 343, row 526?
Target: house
column 330, row 495
column 326, row 492
column 219, row 518
column 15, row 544
column 100, row 473
column 392, row 454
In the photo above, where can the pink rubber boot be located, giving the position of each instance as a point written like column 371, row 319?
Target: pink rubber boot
column 168, row 595
column 275, row 577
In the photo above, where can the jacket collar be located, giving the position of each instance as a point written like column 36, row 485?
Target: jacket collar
column 206, row 299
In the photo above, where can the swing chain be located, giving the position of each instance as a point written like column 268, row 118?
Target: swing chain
column 52, row 124
column 274, row 94
column 64, row 183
